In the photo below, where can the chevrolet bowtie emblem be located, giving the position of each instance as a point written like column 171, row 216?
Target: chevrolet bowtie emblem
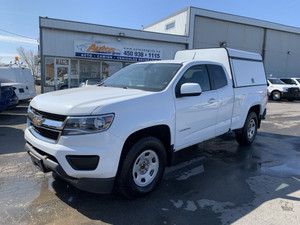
column 38, row 120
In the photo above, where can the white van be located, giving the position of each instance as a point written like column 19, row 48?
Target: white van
column 21, row 79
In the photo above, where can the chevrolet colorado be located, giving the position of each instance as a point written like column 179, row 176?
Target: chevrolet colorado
column 125, row 131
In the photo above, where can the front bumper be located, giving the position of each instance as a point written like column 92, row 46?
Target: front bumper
column 47, row 163
column 56, row 157
column 292, row 94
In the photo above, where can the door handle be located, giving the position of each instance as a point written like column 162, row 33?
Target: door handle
column 211, row 100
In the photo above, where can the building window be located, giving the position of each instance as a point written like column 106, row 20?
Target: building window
column 49, row 71
column 89, row 70
column 170, row 25
column 109, row 68
column 74, row 74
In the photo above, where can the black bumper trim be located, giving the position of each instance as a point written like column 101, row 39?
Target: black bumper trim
column 291, row 95
column 94, row 185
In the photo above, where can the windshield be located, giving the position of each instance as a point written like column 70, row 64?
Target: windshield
column 146, row 76
column 298, row 80
column 276, row 81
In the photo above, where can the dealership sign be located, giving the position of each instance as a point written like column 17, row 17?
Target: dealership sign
column 115, row 52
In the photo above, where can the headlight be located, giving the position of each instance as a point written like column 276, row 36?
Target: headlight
column 87, row 125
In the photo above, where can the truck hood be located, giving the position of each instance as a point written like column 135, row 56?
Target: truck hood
column 83, row 101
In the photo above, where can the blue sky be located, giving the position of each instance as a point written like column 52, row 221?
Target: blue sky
column 22, row 17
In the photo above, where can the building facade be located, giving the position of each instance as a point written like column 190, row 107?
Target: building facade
column 278, row 44
column 73, row 52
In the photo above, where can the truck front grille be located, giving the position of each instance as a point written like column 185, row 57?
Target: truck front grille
column 50, row 116
column 51, row 134
column 294, row 90
column 45, row 126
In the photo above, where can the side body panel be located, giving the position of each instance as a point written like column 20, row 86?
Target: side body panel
column 245, row 98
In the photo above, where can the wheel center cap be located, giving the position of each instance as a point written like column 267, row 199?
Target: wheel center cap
column 144, row 166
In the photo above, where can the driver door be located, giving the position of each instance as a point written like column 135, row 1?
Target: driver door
column 195, row 115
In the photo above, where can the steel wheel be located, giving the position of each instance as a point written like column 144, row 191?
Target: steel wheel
column 142, row 167
column 247, row 134
column 251, row 129
column 145, row 168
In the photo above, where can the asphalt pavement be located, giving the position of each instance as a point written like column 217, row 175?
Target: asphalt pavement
column 215, row 182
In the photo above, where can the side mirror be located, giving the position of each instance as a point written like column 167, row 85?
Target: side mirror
column 190, row 89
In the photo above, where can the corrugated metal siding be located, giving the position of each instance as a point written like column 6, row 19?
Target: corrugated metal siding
column 210, row 33
column 282, row 55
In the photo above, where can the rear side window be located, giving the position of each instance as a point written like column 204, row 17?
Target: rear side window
column 217, row 75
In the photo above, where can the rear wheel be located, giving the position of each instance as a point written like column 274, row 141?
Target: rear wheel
column 248, row 134
column 276, row 95
column 142, row 168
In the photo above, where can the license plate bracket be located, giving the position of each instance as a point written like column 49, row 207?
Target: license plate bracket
column 38, row 162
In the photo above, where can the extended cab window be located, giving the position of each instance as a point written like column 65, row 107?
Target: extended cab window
column 195, row 74
column 217, row 75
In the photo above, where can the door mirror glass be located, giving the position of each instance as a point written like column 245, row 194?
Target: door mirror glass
column 190, row 89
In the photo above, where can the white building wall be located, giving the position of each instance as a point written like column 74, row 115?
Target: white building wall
column 180, row 24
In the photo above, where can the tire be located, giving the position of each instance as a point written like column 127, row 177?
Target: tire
column 249, row 131
column 276, row 95
column 142, row 168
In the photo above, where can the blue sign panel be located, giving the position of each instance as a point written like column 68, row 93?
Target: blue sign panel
column 115, row 52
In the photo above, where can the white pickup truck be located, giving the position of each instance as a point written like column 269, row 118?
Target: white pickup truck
column 124, row 132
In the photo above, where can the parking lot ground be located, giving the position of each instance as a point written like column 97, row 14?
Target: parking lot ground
column 215, row 182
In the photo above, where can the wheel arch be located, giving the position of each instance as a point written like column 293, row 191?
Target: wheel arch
column 162, row 132
column 256, row 109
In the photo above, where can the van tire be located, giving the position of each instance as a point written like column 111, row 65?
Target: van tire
column 249, row 131
column 142, row 168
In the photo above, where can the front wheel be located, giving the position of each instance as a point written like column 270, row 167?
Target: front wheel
column 142, row 168
column 248, row 134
